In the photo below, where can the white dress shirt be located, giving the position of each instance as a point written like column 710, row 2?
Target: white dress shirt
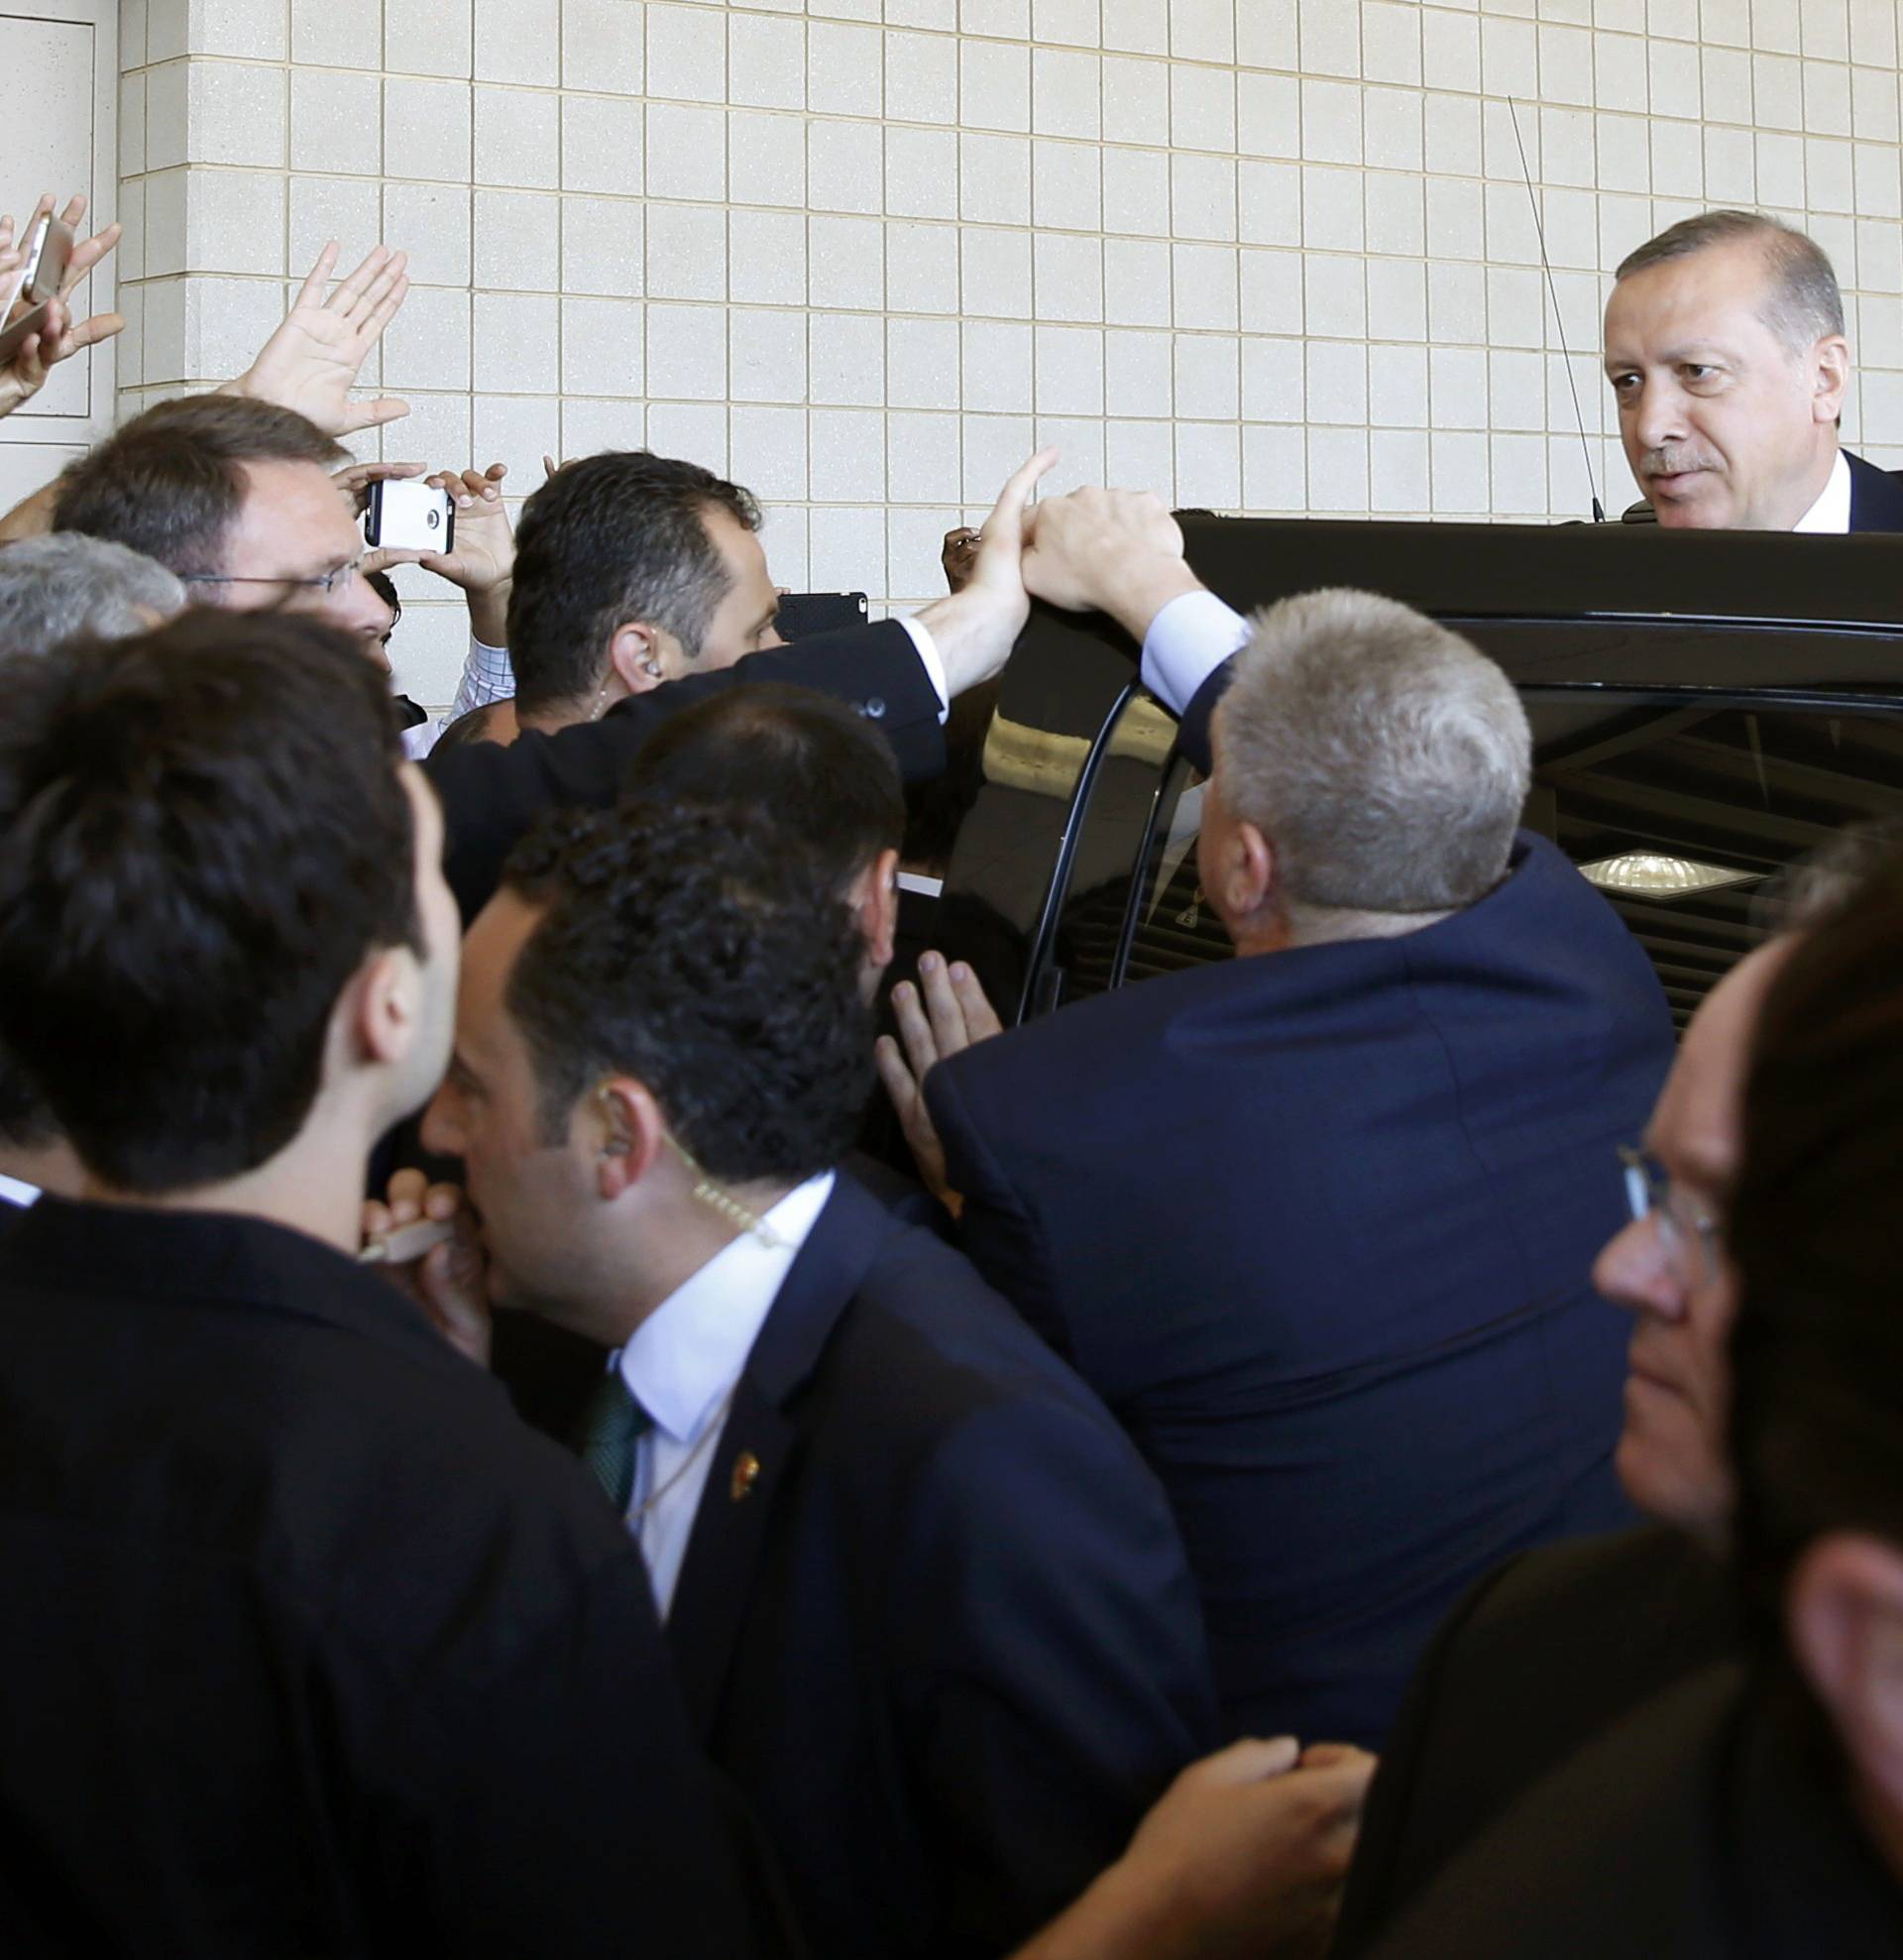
column 681, row 1365
column 1186, row 643
column 18, row 1191
column 928, row 652
column 1830, row 513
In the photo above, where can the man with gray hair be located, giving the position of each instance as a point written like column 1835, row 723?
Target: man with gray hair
column 62, row 585
column 1729, row 362
column 1318, row 1222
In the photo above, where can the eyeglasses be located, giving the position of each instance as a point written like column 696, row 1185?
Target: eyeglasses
column 324, row 584
column 1688, row 1236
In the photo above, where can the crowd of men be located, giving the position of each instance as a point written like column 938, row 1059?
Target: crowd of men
column 496, row 1456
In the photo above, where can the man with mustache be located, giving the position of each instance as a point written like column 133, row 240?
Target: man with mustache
column 1726, row 350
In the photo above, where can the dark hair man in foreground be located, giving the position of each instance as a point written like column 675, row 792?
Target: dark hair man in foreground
column 308, row 1645
column 930, row 1611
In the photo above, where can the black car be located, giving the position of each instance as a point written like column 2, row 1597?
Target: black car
column 1707, row 708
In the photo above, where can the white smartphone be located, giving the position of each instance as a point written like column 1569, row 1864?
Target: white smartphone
column 38, row 279
column 409, row 517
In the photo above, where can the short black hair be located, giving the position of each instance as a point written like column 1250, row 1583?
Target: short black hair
column 384, row 587
column 471, row 726
column 26, row 1123
column 814, row 767
column 1816, row 1348
column 692, row 950
column 607, row 539
column 202, row 835
column 171, row 483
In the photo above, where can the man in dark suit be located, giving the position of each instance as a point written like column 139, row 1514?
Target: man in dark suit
column 929, row 1610
column 901, row 674
column 1318, row 1223
column 1756, row 1809
column 1726, row 350
column 307, row 1645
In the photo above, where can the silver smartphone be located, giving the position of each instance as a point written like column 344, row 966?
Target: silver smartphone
column 405, row 516
column 38, row 281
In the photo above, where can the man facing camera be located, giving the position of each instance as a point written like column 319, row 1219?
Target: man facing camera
column 1726, row 350
column 1318, row 1223
column 930, row 1611
column 307, row 1645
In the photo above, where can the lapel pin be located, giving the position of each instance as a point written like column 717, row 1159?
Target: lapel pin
column 747, row 1474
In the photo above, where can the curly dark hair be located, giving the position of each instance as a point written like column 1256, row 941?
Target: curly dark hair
column 607, row 539
column 202, row 836
column 692, row 950
column 812, row 765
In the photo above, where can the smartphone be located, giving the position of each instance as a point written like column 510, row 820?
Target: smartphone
column 803, row 614
column 409, row 517
column 38, row 281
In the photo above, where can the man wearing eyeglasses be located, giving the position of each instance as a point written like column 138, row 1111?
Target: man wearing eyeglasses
column 1560, row 1644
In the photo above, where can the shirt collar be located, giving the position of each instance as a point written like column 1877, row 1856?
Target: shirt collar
column 17, row 1192
column 680, row 1362
column 1832, row 512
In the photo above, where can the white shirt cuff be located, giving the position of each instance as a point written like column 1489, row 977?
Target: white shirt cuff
column 929, row 661
column 1186, row 643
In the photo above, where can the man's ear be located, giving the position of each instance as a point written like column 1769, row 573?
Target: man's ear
column 628, row 1132
column 874, row 899
column 1843, row 1616
column 1830, row 376
column 634, row 657
column 1247, row 873
column 381, row 1007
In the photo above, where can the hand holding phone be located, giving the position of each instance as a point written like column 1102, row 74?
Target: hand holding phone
column 43, row 269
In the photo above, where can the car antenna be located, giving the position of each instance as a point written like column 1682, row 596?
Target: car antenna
column 1572, row 382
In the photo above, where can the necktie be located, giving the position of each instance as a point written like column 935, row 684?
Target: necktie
column 615, row 1424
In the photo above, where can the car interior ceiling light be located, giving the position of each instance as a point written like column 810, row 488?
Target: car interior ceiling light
column 1652, row 875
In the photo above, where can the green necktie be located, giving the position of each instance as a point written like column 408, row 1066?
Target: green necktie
column 615, row 1424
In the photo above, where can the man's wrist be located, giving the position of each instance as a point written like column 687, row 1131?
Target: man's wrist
column 975, row 632
column 1141, row 591
column 489, row 615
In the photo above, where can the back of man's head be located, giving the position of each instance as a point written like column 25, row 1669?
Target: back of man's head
column 171, row 483
column 202, row 836
column 690, row 949
column 806, row 763
column 63, row 586
column 1801, row 303
column 1816, row 1350
column 1384, row 758
column 612, row 539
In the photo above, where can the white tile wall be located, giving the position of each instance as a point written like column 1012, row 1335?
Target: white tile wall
column 1264, row 255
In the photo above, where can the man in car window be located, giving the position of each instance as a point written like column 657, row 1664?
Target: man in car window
column 1726, row 350
column 1318, row 1222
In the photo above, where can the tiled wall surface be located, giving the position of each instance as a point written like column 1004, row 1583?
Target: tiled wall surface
column 1262, row 255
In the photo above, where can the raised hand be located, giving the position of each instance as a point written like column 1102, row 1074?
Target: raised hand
column 484, row 560
column 311, row 363
column 25, row 373
column 943, row 1016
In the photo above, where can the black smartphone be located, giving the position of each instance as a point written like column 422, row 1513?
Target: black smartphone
column 803, row 614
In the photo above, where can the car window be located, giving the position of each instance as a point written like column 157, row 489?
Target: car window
column 1685, row 812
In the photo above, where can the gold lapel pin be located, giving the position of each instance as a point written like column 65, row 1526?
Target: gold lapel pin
column 747, row 1474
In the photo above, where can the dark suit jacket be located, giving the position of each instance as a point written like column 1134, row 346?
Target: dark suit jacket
column 1550, row 1652
column 1707, row 1827
column 1318, row 1227
column 945, row 1642
column 493, row 794
column 307, row 1647
column 1876, row 496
